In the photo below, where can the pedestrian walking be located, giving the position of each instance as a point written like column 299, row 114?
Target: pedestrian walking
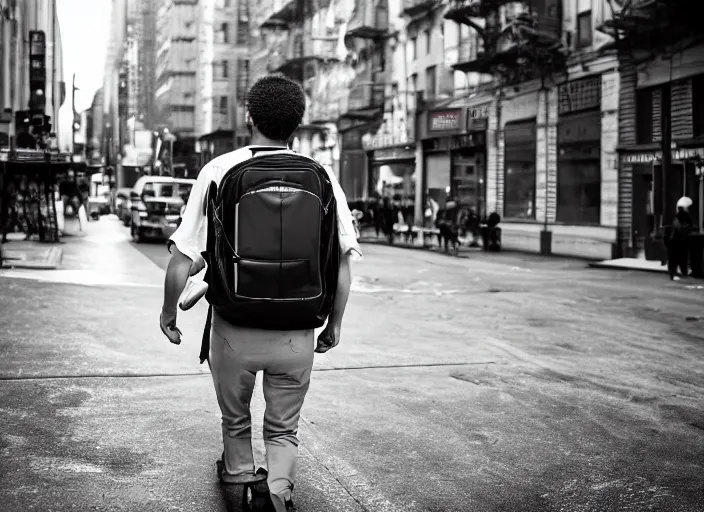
column 235, row 350
column 677, row 240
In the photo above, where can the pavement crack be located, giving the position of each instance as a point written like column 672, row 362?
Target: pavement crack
column 102, row 376
column 20, row 377
column 391, row 366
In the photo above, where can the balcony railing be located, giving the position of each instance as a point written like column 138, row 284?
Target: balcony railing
column 474, row 8
column 369, row 21
column 323, row 111
column 364, row 101
column 413, row 8
column 298, row 49
column 467, row 53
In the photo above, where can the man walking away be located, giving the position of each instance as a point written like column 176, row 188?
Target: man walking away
column 677, row 240
column 275, row 108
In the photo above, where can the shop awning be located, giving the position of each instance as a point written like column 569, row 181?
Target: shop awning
column 21, row 158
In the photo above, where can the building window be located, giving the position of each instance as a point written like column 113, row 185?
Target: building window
column 412, row 48
column 427, row 42
column 242, row 33
column 242, row 79
column 224, row 29
column 224, row 69
column 584, row 29
column 222, row 105
column 431, row 82
column 698, row 105
column 519, row 170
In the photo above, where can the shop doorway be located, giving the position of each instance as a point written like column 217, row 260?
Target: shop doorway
column 468, row 181
column 643, row 208
column 353, row 165
column 676, row 183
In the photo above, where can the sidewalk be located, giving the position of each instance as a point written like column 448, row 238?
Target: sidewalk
column 100, row 255
column 631, row 264
column 614, row 264
column 18, row 253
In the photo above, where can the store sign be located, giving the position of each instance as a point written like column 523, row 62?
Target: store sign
column 478, row 118
column 579, row 95
column 394, row 154
column 456, row 142
column 384, row 140
column 653, row 156
column 444, row 120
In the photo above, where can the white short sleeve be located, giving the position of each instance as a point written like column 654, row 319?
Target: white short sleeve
column 345, row 226
column 192, row 235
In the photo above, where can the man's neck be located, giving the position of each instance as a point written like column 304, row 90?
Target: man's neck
column 260, row 140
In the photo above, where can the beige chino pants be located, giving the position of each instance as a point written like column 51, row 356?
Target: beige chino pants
column 286, row 359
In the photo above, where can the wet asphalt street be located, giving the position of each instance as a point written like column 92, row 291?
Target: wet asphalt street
column 496, row 382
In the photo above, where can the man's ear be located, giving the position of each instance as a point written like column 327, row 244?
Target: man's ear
column 247, row 117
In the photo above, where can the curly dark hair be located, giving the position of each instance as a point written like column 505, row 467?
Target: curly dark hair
column 277, row 105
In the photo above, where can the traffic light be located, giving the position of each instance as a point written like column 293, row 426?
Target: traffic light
column 37, row 71
column 76, row 122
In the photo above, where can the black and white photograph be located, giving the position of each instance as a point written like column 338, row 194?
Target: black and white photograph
column 352, row 255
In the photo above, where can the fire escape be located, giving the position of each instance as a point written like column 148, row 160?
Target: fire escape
column 645, row 28
column 519, row 41
column 366, row 36
column 299, row 54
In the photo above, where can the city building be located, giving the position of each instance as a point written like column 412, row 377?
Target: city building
column 661, row 120
column 145, row 28
column 94, row 127
column 452, row 102
column 44, row 87
column 175, row 81
column 113, row 76
column 307, row 43
column 552, row 136
column 222, row 78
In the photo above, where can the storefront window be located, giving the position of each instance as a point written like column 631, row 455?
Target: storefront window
column 698, row 105
column 519, row 170
column 578, row 192
column 579, row 168
column 393, row 180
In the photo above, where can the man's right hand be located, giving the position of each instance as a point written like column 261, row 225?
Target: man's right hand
column 167, row 323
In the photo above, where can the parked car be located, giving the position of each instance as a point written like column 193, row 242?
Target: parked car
column 99, row 198
column 156, row 203
column 123, row 206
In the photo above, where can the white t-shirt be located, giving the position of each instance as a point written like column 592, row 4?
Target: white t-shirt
column 191, row 236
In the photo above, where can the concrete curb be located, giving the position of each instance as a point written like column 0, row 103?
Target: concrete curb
column 610, row 266
column 23, row 259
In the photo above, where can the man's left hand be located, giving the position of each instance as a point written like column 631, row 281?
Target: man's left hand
column 329, row 338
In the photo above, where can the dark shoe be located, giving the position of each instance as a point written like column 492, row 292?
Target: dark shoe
column 290, row 507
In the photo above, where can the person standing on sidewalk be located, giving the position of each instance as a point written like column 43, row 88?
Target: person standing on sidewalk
column 275, row 108
column 677, row 240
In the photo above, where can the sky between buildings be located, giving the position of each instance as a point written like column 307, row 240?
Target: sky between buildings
column 85, row 28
